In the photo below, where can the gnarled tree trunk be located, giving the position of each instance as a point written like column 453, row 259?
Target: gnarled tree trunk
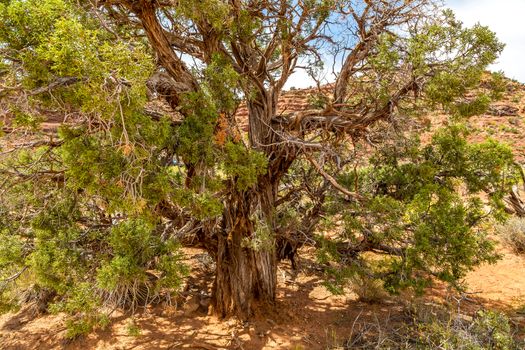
column 245, row 276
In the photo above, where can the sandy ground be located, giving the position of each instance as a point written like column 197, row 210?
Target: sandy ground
column 306, row 316
column 501, row 284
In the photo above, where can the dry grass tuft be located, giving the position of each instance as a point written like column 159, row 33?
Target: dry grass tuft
column 513, row 234
column 368, row 290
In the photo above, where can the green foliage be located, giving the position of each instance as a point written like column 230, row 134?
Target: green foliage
column 470, row 50
column 195, row 135
column 25, row 120
column 133, row 247
column 83, row 304
column 489, row 330
column 53, row 39
column 494, row 330
column 475, row 107
column 423, row 210
column 92, row 214
column 221, row 83
column 132, row 329
column 243, row 165
column 497, row 85
column 11, row 264
column 433, row 326
column 261, row 239
column 203, row 206
column 87, row 228
column 317, row 100
column 215, row 11
column 28, row 22
column 53, row 255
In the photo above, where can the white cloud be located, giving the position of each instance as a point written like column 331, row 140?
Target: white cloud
column 301, row 79
column 505, row 17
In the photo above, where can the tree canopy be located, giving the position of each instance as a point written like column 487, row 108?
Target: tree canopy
column 151, row 155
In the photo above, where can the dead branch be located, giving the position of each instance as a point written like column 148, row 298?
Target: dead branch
column 333, row 182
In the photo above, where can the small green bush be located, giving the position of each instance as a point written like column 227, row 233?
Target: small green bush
column 82, row 305
column 489, row 330
column 133, row 329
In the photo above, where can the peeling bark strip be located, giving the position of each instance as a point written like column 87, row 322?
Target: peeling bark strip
column 244, row 276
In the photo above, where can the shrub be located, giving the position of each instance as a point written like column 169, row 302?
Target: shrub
column 133, row 329
column 368, row 290
column 82, row 304
column 513, row 234
column 488, row 330
column 437, row 328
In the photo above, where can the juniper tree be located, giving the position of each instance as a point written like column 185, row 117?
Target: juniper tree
column 101, row 208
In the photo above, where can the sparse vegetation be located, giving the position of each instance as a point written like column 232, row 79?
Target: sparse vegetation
column 132, row 329
column 436, row 329
column 513, row 234
column 368, row 290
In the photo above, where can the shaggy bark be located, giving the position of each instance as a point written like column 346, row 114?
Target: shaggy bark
column 245, row 275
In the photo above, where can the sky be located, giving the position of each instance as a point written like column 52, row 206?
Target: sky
column 505, row 17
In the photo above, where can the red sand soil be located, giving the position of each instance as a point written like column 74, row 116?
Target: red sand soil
column 501, row 284
column 306, row 315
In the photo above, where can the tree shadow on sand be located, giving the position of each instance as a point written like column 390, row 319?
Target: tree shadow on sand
column 305, row 316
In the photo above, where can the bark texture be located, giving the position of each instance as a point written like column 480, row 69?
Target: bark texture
column 244, row 276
